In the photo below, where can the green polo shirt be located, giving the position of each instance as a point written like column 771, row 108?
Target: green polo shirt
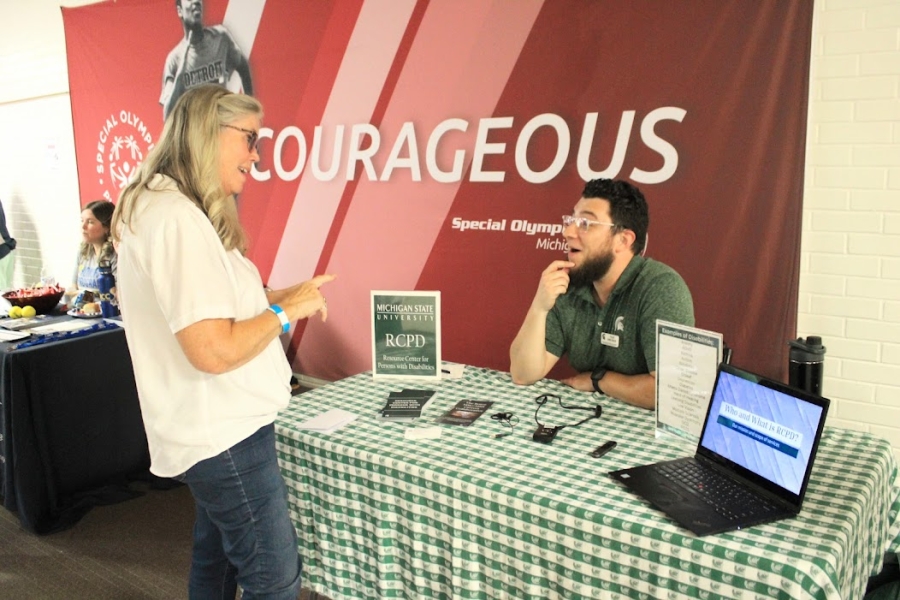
column 620, row 336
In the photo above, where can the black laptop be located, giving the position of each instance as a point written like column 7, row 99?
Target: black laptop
column 753, row 461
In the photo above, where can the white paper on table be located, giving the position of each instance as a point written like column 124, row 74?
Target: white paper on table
column 452, row 370
column 11, row 336
column 60, row 326
column 329, row 421
column 422, row 433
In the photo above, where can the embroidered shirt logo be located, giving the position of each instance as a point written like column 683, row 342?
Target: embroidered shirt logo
column 620, row 324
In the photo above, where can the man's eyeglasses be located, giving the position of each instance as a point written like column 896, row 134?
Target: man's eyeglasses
column 583, row 223
column 252, row 137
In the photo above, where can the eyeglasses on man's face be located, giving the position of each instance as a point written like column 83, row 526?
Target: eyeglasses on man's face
column 252, row 137
column 583, row 223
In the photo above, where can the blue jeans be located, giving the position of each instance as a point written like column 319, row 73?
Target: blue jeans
column 243, row 532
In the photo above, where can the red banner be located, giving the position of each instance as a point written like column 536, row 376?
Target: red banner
column 435, row 145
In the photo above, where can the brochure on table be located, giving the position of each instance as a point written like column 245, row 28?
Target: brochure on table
column 406, row 335
column 465, row 412
column 686, row 363
column 406, row 405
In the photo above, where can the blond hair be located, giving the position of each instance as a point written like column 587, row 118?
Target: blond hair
column 188, row 151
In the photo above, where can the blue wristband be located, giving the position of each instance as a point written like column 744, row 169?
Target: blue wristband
column 282, row 316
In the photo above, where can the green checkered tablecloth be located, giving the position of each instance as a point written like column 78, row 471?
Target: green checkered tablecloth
column 471, row 516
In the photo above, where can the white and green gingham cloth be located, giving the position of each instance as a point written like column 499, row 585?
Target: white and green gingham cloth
column 468, row 515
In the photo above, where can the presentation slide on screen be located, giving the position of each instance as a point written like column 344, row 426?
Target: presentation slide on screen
column 763, row 430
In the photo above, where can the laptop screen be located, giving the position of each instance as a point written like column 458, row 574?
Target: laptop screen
column 764, row 426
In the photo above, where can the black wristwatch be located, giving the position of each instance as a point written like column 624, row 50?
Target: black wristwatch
column 596, row 376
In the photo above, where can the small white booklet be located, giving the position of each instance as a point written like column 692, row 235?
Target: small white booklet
column 329, row 422
column 422, row 433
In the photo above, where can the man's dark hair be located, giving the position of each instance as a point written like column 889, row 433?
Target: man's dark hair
column 627, row 206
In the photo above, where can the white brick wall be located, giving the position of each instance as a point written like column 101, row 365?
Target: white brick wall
column 850, row 263
column 850, row 252
column 38, row 181
column 39, row 189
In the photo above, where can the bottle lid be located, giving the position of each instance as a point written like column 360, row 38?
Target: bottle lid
column 808, row 350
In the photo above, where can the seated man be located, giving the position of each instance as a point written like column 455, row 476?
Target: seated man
column 600, row 307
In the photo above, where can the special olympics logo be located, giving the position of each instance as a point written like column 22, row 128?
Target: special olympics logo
column 123, row 143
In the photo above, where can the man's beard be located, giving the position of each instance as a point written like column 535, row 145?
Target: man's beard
column 591, row 270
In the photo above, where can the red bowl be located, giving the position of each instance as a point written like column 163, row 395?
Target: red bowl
column 42, row 299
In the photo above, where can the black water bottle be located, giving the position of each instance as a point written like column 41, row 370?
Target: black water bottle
column 105, row 283
column 807, row 364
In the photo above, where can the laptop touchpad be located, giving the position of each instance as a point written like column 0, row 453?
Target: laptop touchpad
column 670, row 495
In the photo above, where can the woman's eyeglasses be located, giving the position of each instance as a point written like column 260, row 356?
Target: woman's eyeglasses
column 252, row 137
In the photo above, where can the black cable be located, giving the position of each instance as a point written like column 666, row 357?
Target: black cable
column 507, row 419
column 542, row 400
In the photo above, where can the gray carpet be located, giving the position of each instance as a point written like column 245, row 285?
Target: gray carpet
column 135, row 550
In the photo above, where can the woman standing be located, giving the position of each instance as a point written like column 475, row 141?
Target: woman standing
column 203, row 336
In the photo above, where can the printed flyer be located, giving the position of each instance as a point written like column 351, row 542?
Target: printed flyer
column 686, row 363
column 406, row 335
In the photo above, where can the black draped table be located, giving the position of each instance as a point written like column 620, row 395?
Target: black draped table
column 71, row 432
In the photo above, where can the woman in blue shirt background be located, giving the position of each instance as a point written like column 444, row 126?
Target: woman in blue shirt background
column 96, row 245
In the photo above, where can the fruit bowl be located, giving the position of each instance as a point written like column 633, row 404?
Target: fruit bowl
column 43, row 299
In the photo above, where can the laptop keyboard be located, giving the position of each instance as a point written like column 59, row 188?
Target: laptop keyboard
column 727, row 498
